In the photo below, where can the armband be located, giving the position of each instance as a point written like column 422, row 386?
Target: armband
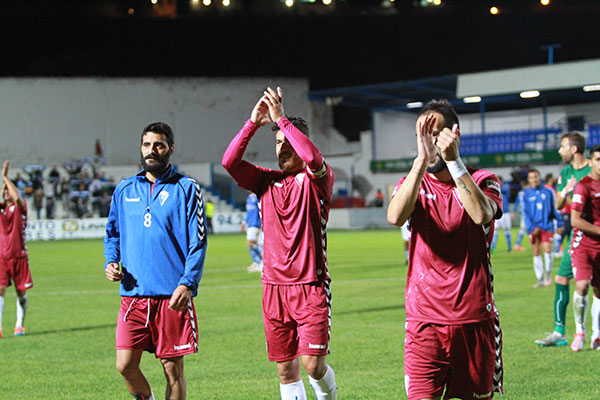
column 457, row 168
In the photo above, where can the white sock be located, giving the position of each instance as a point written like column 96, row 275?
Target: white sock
column 21, row 310
column 325, row 388
column 292, row 391
column 538, row 267
column 548, row 260
column 595, row 318
column 406, row 253
column 580, row 306
column 1, row 310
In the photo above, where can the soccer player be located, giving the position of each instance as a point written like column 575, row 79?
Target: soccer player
column 572, row 147
column 540, row 218
column 585, row 218
column 295, row 202
column 14, row 263
column 156, row 229
column 453, row 338
column 253, row 233
column 522, row 229
column 503, row 223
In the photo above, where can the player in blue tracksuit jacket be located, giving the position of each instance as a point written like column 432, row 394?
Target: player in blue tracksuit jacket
column 156, row 230
column 253, row 233
column 540, row 213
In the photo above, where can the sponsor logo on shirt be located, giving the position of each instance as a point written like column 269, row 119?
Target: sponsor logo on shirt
column 428, row 195
column 182, row 347
column 316, row 346
column 133, row 199
column 597, row 194
column 577, row 199
column 163, row 197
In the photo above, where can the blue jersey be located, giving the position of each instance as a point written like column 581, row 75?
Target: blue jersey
column 252, row 211
column 158, row 235
column 539, row 210
column 505, row 190
column 519, row 202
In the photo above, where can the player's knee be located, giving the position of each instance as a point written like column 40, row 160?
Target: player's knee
column 314, row 366
column 126, row 367
column 582, row 287
column 173, row 369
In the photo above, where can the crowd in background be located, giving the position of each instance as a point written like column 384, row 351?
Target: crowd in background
column 76, row 189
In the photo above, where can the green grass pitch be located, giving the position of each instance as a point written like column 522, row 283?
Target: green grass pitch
column 68, row 351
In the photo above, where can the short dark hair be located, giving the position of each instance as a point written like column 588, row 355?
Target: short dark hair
column 595, row 149
column 533, row 170
column 298, row 122
column 443, row 107
column 161, row 128
column 575, row 139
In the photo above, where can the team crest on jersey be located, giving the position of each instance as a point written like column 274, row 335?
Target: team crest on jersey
column 163, row 197
column 577, row 199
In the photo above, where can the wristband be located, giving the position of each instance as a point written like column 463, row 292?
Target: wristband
column 563, row 193
column 456, row 168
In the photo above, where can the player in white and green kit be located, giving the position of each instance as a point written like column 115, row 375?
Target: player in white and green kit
column 572, row 146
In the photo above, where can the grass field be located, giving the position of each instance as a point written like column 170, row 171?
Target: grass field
column 68, row 351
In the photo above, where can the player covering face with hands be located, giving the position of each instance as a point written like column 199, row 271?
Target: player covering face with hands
column 295, row 202
column 453, row 337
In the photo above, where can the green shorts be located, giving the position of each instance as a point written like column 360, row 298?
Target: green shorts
column 566, row 268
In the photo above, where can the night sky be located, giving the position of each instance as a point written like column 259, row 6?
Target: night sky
column 40, row 39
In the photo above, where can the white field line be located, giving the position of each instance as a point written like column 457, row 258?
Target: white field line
column 36, row 293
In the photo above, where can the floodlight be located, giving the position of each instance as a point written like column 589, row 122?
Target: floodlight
column 528, row 94
column 472, row 99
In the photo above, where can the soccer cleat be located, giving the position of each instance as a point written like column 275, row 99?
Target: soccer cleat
column 595, row 345
column 538, row 284
column 20, row 331
column 578, row 342
column 552, row 339
column 255, row 267
column 518, row 248
column 0, row 332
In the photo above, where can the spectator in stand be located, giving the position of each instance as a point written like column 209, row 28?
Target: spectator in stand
column 38, row 202
column 20, row 182
column 50, row 207
column 104, row 204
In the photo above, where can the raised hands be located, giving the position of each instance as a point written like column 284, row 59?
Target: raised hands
column 426, row 148
column 5, row 168
column 274, row 101
column 268, row 108
column 448, row 142
column 260, row 113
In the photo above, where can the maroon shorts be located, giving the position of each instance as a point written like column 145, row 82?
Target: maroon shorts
column 542, row 235
column 586, row 265
column 17, row 270
column 297, row 320
column 465, row 359
column 146, row 323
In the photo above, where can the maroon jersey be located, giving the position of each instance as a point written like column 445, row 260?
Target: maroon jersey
column 294, row 208
column 586, row 198
column 449, row 274
column 13, row 221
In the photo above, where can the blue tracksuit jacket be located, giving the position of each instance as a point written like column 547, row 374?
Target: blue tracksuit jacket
column 252, row 211
column 539, row 210
column 159, row 238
